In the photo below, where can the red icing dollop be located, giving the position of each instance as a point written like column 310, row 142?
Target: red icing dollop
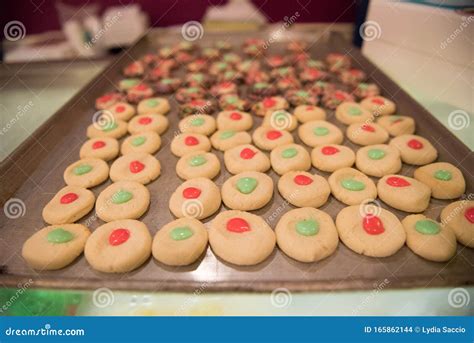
column 191, row 140
column 329, row 150
column 238, row 225
column 303, row 180
column 191, row 193
column 235, row 116
column 372, row 225
column 136, row 166
column 69, row 198
column 415, row 144
column 396, row 181
column 274, row 134
column 98, row 144
column 247, row 154
column 368, row 128
column 269, row 102
column 469, row 214
column 144, row 121
column 119, row 236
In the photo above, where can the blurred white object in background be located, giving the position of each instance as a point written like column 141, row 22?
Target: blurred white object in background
column 425, row 49
column 235, row 15
column 122, row 26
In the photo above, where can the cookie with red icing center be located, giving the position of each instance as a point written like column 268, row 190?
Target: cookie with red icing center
column 376, row 233
column 459, row 216
column 135, row 166
column 68, row 205
column 186, row 143
column 246, row 158
column 414, row 149
column 241, row 238
column 303, row 189
column 404, row 193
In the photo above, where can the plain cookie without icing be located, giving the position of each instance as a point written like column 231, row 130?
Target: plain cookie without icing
column 70, row 204
column 375, row 235
column 429, row 239
column 307, row 234
column 119, row 246
column 241, row 238
column 404, row 193
column 180, row 242
column 55, row 247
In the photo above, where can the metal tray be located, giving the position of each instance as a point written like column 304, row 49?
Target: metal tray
column 33, row 173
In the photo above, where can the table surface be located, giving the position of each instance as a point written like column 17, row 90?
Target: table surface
column 45, row 87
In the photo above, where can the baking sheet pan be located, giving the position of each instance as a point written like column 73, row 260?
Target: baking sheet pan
column 33, row 174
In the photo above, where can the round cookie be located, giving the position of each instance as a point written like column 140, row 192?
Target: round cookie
column 350, row 186
column 70, row 204
column 148, row 122
column 414, row 149
column 55, row 247
column 429, row 239
column 307, row 234
column 351, row 112
column 119, row 246
column 245, row 158
column 203, row 124
column 445, row 180
column 378, row 105
column 234, row 120
column 247, row 191
column 280, row 120
column 224, row 140
column 196, row 198
column 378, row 234
column 331, row 157
column 303, row 189
column 114, row 129
column 366, row 134
column 289, row 157
column 198, row 164
column 87, row 173
column 103, row 148
column 404, row 193
column 122, row 200
column 241, row 238
column 136, row 166
column 378, row 160
column 397, row 125
column 459, row 216
column 147, row 142
column 319, row 132
column 306, row 113
column 186, row 143
column 267, row 138
column 180, row 242
column 270, row 104
column 122, row 111
column 153, row 105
